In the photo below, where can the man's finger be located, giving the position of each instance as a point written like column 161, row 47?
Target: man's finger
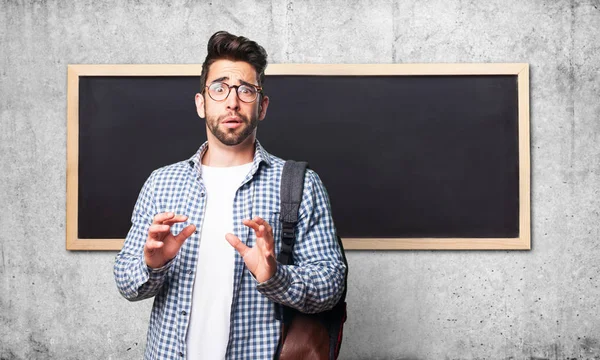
column 152, row 244
column 185, row 233
column 155, row 231
column 251, row 224
column 175, row 219
column 159, row 218
column 261, row 221
column 158, row 228
column 265, row 246
column 237, row 244
column 265, row 242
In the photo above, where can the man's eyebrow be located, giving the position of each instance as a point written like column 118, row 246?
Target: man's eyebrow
column 223, row 78
column 247, row 83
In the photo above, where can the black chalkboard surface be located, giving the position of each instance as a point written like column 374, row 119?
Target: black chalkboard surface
column 432, row 159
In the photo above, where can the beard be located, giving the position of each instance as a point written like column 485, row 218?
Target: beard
column 231, row 137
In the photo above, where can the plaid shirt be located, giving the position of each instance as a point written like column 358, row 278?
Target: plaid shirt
column 313, row 284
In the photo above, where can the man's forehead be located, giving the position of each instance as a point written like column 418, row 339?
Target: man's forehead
column 233, row 71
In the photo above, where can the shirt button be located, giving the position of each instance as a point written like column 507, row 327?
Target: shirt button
column 190, row 272
column 202, row 194
column 180, row 354
column 183, row 313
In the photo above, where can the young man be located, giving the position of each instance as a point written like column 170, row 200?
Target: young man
column 205, row 231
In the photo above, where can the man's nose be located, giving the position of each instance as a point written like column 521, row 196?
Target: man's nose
column 232, row 101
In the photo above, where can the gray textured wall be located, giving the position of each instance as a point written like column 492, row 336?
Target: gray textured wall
column 538, row 304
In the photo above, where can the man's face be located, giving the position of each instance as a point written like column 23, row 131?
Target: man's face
column 231, row 120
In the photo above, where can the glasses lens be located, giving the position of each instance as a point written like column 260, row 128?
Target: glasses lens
column 218, row 91
column 246, row 93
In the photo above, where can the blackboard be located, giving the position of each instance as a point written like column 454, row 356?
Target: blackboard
column 432, row 157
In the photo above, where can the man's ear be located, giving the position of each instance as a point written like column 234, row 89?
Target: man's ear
column 200, row 105
column 262, row 107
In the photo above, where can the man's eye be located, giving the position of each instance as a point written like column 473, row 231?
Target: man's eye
column 246, row 90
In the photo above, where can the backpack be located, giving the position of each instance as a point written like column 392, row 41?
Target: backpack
column 305, row 336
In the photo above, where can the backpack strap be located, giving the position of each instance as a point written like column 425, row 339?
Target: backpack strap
column 292, row 185
column 290, row 193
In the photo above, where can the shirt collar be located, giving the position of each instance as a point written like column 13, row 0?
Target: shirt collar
column 260, row 155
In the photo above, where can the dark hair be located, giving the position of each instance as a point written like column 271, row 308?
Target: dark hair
column 223, row 45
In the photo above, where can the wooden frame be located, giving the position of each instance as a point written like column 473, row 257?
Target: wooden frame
column 523, row 242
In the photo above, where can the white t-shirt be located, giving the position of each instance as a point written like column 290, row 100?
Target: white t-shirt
column 208, row 331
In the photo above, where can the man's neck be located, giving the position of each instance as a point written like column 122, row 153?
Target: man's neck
column 220, row 155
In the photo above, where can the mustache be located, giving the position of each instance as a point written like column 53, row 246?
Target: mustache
column 237, row 115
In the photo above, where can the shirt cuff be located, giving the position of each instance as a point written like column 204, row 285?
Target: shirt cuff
column 163, row 269
column 279, row 283
column 150, row 274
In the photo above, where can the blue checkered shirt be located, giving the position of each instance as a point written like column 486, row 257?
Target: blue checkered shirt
column 313, row 284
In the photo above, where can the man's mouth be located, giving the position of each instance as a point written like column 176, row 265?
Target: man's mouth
column 232, row 122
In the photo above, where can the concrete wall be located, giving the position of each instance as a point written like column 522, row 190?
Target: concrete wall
column 538, row 304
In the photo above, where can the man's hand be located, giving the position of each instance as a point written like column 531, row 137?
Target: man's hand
column 260, row 259
column 161, row 245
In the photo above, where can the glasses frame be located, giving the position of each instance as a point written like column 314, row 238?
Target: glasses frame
column 259, row 90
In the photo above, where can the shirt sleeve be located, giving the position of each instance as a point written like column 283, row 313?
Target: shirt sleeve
column 134, row 279
column 316, row 280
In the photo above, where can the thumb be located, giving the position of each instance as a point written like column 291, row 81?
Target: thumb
column 237, row 244
column 185, row 233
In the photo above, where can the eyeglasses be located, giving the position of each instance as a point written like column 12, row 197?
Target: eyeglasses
column 219, row 91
